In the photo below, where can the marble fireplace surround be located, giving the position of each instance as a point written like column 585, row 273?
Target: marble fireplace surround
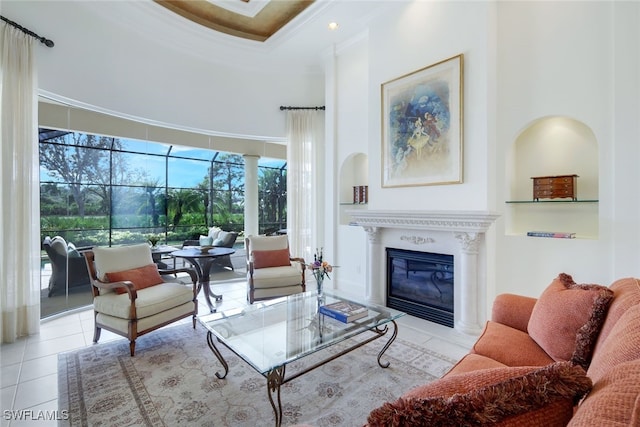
column 457, row 233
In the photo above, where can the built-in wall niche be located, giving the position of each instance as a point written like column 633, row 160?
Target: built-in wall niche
column 553, row 146
column 354, row 172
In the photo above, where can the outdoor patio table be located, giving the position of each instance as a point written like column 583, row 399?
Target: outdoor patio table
column 202, row 262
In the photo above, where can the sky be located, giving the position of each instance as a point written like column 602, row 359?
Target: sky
column 182, row 172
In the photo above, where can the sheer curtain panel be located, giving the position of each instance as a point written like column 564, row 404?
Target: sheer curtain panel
column 19, row 190
column 305, row 187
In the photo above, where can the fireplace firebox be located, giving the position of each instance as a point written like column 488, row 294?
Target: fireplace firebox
column 421, row 284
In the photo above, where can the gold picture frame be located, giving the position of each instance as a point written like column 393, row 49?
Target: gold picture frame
column 422, row 132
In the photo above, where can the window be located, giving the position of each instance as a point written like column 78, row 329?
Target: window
column 98, row 190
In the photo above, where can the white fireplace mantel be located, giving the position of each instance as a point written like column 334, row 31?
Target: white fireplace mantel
column 471, row 221
column 458, row 232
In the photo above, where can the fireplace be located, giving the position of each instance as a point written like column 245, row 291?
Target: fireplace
column 461, row 233
column 421, row 284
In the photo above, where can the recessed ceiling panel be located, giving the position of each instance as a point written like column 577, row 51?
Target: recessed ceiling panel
column 271, row 18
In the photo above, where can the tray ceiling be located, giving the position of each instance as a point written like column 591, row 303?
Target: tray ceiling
column 250, row 19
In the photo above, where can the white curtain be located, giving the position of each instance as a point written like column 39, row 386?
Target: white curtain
column 305, row 186
column 19, row 189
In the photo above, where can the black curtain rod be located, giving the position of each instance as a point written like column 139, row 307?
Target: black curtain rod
column 282, row 108
column 45, row 41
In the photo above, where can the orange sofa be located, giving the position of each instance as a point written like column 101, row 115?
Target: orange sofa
column 570, row 357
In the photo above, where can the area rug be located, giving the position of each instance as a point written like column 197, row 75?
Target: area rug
column 171, row 381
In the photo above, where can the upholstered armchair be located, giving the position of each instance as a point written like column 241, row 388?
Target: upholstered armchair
column 131, row 298
column 271, row 272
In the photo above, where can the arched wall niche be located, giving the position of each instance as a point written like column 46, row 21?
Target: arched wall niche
column 552, row 146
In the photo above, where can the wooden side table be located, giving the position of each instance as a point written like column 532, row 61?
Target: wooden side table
column 555, row 187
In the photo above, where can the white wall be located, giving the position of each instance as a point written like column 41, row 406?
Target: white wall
column 523, row 61
column 352, row 104
column 412, row 37
column 421, row 34
column 100, row 63
column 558, row 59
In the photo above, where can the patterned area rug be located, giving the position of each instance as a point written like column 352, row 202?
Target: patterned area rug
column 171, row 381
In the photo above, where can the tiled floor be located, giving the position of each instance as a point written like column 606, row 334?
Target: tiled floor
column 29, row 366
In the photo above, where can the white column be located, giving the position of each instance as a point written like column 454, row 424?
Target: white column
column 376, row 279
column 468, row 321
column 251, row 194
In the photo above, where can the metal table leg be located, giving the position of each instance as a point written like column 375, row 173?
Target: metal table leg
column 215, row 351
column 391, row 340
column 275, row 378
column 203, row 270
column 205, row 266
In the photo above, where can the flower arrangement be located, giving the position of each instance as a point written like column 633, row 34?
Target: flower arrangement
column 153, row 239
column 320, row 268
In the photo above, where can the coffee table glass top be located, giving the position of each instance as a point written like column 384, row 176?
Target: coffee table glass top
column 276, row 332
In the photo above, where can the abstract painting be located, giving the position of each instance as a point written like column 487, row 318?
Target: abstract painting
column 422, row 126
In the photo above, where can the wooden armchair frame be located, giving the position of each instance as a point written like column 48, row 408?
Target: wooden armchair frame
column 132, row 332
column 269, row 292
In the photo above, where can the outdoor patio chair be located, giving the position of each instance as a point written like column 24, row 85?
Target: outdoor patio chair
column 68, row 269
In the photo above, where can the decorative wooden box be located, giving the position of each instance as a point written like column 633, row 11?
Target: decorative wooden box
column 555, row 187
column 360, row 194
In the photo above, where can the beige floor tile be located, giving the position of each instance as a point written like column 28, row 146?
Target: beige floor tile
column 42, row 415
column 57, row 330
column 38, row 349
column 9, row 375
column 12, row 353
column 40, row 367
column 7, row 395
column 36, row 392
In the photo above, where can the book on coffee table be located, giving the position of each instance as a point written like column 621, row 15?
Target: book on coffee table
column 344, row 311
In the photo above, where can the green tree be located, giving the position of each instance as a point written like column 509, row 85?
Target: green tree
column 273, row 195
column 149, row 205
column 204, row 190
column 76, row 158
column 228, row 184
column 180, row 202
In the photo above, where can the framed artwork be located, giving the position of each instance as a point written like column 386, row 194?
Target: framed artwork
column 422, row 126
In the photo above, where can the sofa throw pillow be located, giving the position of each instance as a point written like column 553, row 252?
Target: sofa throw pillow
column 141, row 277
column 214, row 232
column 509, row 396
column 223, row 235
column 274, row 258
column 218, row 242
column 567, row 318
column 205, row 240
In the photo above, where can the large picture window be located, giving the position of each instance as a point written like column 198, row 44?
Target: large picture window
column 98, row 190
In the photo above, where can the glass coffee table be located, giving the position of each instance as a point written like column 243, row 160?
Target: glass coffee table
column 269, row 335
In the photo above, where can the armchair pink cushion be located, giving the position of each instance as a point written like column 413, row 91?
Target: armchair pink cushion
column 274, row 258
column 141, row 277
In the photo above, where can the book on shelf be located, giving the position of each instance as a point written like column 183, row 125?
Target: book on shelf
column 344, row 311
column 554, row 234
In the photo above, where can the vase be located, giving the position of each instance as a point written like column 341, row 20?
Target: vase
column 319, row 281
